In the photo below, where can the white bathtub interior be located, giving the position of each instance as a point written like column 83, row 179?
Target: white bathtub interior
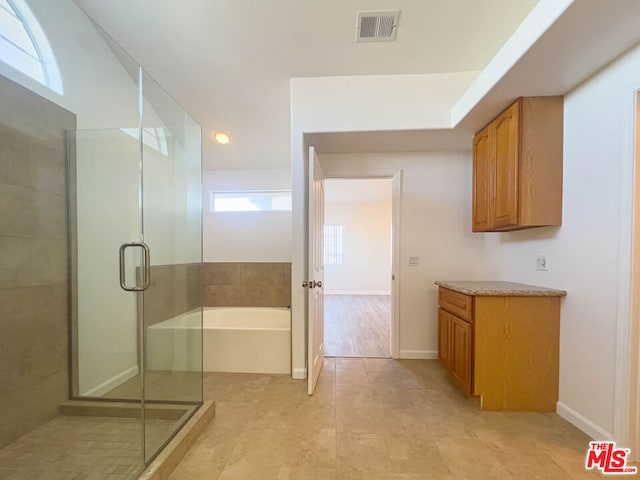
column 174, row 344
column 235, row 339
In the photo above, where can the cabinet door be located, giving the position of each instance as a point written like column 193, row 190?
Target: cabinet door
column 482, row 174
column 506, row 133
column 443, row 339
column 461, row 341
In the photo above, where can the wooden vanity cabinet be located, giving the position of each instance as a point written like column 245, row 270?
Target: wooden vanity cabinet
column 502, row 349
column 517, row 167
column 455, row 336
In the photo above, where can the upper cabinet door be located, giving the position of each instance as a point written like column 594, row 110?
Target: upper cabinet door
column 482, row 174
column 517, row 167
column 507, row 148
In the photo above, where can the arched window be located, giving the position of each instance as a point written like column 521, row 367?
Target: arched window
column 25, row 47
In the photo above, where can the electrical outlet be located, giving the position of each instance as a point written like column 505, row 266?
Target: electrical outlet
column 414, row 261
column 541, row 263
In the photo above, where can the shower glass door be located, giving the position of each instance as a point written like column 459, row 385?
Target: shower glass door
column 136, row 251
column 171, row 227
column 104, row 194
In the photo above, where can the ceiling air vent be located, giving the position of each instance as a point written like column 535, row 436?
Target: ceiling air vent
column 377, row 26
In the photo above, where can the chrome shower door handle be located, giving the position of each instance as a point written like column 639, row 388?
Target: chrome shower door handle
column 147, row 267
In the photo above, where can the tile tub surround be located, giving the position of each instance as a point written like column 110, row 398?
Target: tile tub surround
column 499, row 289
column 245, row 284
column 33, row 259
column 374, row 419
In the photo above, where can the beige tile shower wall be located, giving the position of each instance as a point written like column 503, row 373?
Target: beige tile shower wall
column 33, row 259
column 174, row 289
column 239, row 284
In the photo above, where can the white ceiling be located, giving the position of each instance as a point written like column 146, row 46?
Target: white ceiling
column 228, row 62
column 551, row 60
column 358, row 190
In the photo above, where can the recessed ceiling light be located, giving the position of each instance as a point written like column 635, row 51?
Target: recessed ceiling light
column 221, row 138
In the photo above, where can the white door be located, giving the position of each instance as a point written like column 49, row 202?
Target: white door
column 316, row 270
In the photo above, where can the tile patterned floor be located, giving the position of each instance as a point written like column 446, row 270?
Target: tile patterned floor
column 374, row 419
column 76, row 447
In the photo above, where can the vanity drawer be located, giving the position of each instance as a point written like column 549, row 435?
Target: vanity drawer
column 459, row 304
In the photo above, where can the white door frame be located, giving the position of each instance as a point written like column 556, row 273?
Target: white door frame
column 627, row 386
column 633, row 418
column 396, row 177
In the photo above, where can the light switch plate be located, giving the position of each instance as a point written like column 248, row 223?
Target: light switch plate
column 414, row 261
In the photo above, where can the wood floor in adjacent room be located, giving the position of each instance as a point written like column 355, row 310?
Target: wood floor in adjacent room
column 357, row 325
column 374, row 419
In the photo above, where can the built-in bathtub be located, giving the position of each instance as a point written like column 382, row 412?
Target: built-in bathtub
column 235, row 339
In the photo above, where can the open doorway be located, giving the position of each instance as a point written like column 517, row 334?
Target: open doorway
column 358, row 267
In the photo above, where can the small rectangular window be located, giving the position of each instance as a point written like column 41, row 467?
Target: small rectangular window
column 333, row 244
column 251, row 201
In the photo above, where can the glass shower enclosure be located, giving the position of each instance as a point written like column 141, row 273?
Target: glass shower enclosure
column 136, row 255
column 118, row 219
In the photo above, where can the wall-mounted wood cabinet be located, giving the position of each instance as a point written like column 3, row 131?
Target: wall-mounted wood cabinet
column 517, row 167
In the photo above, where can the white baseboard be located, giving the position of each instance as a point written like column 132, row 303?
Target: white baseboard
column 299, row 373
column 418, row 354
column 112, row 383
column 342, row 292
column 583, row 423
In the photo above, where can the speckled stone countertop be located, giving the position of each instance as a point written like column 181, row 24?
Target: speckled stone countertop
column 500, row 289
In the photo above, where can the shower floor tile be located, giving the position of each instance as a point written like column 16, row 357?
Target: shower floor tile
column 76, row 447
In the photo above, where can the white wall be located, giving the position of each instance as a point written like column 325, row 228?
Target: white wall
column 342, row 104
column 366, row 225
column 245, row 236
column 589, row 254
column 435, row 225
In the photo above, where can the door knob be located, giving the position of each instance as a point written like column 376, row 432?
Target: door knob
column 317, row 284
